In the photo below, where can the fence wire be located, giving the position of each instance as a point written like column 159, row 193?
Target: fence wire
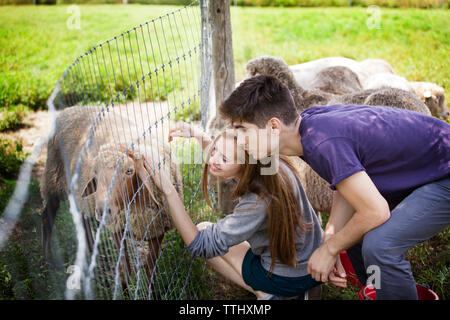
column 115, row 106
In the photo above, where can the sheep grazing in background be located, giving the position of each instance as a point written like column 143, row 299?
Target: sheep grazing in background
column 336, row 80
column 370, row 67
column 307, row 98
column 304, row 73
column 277, row 68
column 304, row 99
column 429, row 93
column 388, row 97
column 433, row 96
column 316, row 188
column 380, row 80
column 112, row 179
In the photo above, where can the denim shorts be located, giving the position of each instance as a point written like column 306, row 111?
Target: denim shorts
column 259, row 279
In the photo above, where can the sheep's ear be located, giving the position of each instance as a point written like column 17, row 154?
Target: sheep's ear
column 123, row 148
column 144, row 175
column 90, row 188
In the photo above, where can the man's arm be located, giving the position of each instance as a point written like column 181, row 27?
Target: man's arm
column 341, row 212
column 371, row 210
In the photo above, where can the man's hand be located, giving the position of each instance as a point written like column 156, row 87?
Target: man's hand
column 321, row 263
column 337, row 276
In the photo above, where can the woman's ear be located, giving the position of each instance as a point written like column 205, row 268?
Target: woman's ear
column 145, row 177
column 90, row 188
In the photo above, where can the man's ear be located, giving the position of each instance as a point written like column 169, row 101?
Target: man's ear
column 275, row 125
column 90, row 188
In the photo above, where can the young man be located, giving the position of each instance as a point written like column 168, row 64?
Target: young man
column 390, row 168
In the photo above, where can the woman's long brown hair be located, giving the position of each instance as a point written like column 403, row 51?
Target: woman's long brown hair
column 283, row 208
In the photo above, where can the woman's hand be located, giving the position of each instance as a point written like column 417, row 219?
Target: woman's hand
column 337, row 276
column 185, row 130
column 180, row 218
column 158, row 176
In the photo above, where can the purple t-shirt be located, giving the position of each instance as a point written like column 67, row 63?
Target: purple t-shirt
column 400, row 150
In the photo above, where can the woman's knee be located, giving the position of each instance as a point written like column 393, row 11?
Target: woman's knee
column 203, row 225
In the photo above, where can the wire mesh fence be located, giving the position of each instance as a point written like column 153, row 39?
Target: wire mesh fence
column 115, row 106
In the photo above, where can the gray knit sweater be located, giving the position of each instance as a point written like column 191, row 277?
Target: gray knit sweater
column 248, row 222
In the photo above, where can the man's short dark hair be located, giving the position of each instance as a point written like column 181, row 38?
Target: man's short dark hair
column 258, row 99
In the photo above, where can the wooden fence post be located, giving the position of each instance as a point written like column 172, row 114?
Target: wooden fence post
column 224, row 79
column 219, row 22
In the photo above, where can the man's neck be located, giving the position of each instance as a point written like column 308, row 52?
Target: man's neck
column 291, row 141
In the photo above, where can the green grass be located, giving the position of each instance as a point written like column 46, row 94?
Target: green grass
column 23, row 271
column 415, row 42
column 11, row 158
column 12, row 117
column 36, row 47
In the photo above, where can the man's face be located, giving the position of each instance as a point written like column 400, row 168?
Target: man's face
column 260, row 143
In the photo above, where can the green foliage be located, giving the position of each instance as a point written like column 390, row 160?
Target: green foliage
column 12, row 117
column 6, row 190
column 23, row 272
column 11, row 158
column 263, row 3
column 188, row 111
column 37, row 51
column 430, row 263
column 413, row 41
column 344, row 3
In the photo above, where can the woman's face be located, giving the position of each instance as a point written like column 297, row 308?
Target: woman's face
column 222, row 162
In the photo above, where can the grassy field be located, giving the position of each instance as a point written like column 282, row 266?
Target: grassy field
column 36, row 47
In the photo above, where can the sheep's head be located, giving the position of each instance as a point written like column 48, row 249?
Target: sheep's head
column 278, row 68
column 119, row 179
column 435, row 100
column 273, row 66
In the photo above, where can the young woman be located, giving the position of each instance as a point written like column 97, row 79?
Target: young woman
column 265, row 244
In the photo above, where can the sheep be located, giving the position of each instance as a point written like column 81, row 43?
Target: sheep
column 385, row 96
column 305, row 72
column 132, row 192
column 316, row 188
column 383, row 79
column 370, row 67
column 307, row 98
column 433, row 96
column 275, row 66
column 337, row 80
